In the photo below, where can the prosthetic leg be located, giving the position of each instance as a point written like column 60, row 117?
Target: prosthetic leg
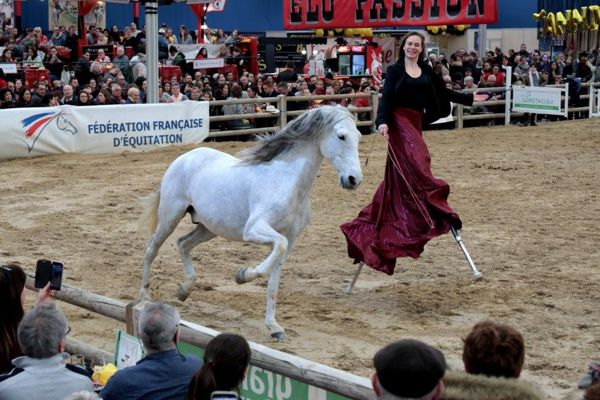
column 460, row 242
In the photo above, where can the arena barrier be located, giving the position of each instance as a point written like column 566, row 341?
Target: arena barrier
column 271, row 375
column 101, row 129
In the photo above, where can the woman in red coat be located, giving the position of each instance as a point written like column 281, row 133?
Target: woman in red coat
column 410, row 206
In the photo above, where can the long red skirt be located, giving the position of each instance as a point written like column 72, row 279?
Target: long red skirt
column 410, row 206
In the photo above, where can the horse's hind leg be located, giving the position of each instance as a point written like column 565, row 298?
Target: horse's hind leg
column 169, row 217
column 186, row 244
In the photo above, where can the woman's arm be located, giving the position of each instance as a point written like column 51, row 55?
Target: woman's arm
column 385, row 105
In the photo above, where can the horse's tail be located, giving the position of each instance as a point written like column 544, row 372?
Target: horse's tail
column 149, row 219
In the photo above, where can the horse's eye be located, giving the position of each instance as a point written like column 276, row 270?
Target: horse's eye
column 341, row 137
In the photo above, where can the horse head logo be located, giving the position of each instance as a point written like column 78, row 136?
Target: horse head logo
column 35, row 125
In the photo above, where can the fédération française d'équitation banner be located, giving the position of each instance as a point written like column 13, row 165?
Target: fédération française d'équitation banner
column 101, row 129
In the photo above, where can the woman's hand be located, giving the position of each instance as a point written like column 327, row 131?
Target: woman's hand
column 480, row 97
column 383, row 129
column 45, row 295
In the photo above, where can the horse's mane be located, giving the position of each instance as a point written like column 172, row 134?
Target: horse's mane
column 307, row 126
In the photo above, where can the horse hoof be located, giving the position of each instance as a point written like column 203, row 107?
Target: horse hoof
column 240, row 276
column 278, row 336
column 182, row 294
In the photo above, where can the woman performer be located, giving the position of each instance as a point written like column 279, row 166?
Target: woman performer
column 410, row 206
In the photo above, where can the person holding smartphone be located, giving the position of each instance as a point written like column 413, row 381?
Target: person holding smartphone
column 226, row 360
column 12, row 297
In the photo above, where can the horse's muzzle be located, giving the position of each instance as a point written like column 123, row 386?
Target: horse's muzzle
column 350, row 182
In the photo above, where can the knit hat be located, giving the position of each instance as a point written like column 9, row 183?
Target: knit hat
column 409, row 368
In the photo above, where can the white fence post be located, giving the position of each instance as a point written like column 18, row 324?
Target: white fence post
column 507, row 94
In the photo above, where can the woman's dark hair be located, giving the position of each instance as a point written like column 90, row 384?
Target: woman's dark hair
column 12, row 282
column 421, row 60
column 225, row 361
column 494, row 349
column 21, row 102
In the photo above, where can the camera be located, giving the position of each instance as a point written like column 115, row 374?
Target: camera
column 49, row 271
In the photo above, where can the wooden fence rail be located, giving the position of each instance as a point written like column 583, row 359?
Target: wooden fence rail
column 294, row 367
column 459, row 116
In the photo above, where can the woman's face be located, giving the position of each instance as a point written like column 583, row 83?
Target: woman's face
column 167, row 87
column 7, row 96
column 27, row 95
column 18, row 84
column 83, row 97
column 413, row 47
column 101, row 98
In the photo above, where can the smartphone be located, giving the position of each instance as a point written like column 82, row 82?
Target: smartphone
column 49, row 271
column 224, row 394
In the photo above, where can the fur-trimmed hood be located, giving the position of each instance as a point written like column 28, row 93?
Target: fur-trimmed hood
column 463, row 386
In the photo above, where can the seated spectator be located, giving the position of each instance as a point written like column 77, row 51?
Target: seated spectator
column 408, row 369
column 236, row 109
column 184, row 36
column 50, row 99
column 6, row 99
column 469, row 83
column 494, row 349
column 164, row 373
column 41, row 373
column 226, row 360
column 133, row 96
column 32, row 59
column 103, row 98
column 176, row 95
column 84, row 99
column 24, row 98
column 116, row 94
column 68, row 96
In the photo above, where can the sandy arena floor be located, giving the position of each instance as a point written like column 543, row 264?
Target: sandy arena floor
column 528, row 198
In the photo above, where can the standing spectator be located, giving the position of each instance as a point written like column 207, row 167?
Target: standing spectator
column 226, row 361
column 71, row 42
column 164, row 373
column 121, row 61
column 408, row 369
column 287, row 74
column 82, row 68
column 41, row 371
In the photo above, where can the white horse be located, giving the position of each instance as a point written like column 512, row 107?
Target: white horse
column 261, row 197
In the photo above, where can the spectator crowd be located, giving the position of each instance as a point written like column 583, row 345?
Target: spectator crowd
column 32, row 360
column 120, row 77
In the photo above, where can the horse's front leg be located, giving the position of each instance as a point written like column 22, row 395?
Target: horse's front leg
column 277, row 331
column 261, row 232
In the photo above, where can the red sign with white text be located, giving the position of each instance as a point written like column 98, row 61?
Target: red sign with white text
column 330, row 14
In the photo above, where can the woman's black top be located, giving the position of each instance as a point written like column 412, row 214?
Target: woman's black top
column 411, row 92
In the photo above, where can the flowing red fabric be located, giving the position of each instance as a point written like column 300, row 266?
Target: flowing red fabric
column 410, row 206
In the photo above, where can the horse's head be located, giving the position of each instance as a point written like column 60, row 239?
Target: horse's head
column 339, row 145
column 64, row 124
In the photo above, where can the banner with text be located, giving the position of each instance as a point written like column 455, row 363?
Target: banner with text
column 539, row 100
column 330, row 14
column 101, row 129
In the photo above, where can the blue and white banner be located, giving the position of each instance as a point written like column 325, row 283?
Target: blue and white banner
column 101, row 129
